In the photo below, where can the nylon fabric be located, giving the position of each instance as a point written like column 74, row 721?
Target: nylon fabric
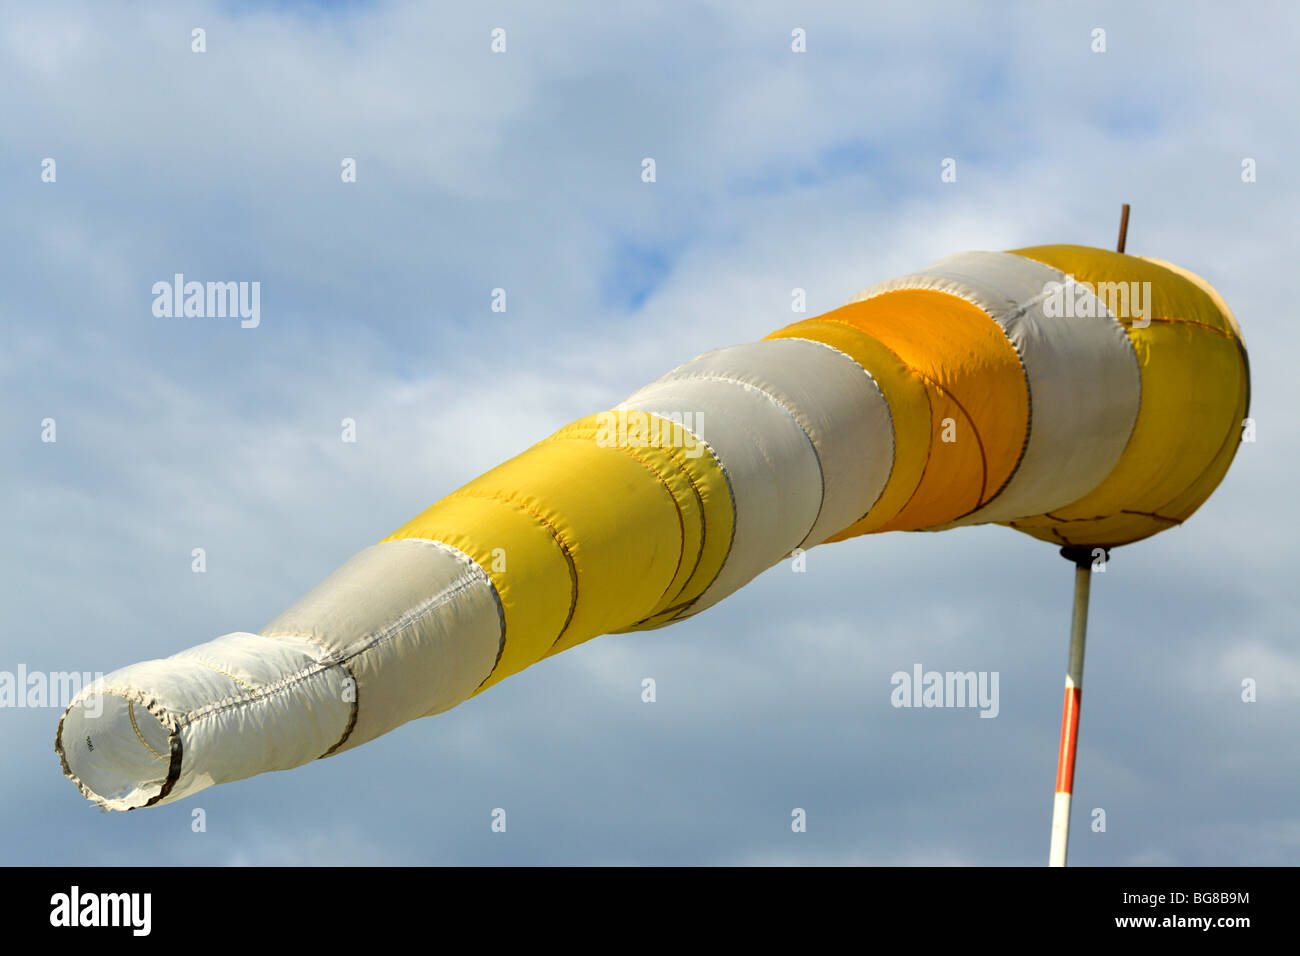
column 908, row 403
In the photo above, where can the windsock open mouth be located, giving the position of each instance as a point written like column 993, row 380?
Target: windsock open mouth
column 120, row 749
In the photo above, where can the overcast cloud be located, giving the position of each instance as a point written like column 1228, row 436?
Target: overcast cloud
column 522, row 171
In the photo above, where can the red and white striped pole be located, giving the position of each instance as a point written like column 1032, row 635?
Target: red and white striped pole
column 1083, row 559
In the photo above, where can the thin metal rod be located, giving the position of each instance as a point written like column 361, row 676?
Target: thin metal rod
column 1070, row 712
column 1123, row 228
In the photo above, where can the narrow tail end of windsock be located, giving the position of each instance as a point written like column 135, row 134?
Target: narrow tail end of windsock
column 162, row 730
column 120, row 749
column 402, row 630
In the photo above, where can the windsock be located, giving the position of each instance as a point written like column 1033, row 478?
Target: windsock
column 1084, row 397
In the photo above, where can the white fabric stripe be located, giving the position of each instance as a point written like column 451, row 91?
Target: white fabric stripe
column 803, row 434
column 838, row 405
column 304, row 712
column 855, row 437
column 1084, row 382
column 416, row 623
column 300, row 713
column 775, row 478
column 420, row 622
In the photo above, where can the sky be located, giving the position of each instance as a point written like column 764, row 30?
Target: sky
column 521, row 171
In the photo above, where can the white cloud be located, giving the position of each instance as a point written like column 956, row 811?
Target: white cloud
column 521, row 171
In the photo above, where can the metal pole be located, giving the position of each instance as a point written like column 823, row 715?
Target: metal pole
column 1082, row 558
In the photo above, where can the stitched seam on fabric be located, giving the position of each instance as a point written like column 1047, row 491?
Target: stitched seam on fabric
column 731, row 493
column 731, row 541
column 1137, row 417
column 699, row 552
column 130, row 712
column 929, row 453
column 681, row 519
column 560, row 542
column 1232, row 437
column 354, row 714
column 749, row 386
column 928, row 443
column 355, row 710
column 704, row 519
column 1022, row 309
column 309, row 638
column 674, row 455
column 1019, row 310
column 735, row 513
column 889, row 415
column 979, row 444
column 771, row 467
column 1141, row 395
column 1150, row 514
column 218, row 670
column 353, row 650
column 1104, row 517
column 1168, row 320
column 471, row 566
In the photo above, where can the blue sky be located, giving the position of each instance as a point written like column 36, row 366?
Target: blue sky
column 522, row 171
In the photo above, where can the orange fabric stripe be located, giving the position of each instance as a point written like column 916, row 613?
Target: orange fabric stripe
column 977, row 392
column 909, row 411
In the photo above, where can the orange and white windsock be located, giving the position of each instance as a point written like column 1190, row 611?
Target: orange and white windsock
column 1081, row 396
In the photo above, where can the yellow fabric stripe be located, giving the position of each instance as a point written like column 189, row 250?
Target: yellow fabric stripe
column 1182, row 506
column 973, row 379
column 1193, row 401
column 697, row 484
column 621, row 527
column 525, row 561
column 1194, row 397
column 581, row 537
column 1173, row 296
column 1205, row 287
column 909, row 408
column 628, row 529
